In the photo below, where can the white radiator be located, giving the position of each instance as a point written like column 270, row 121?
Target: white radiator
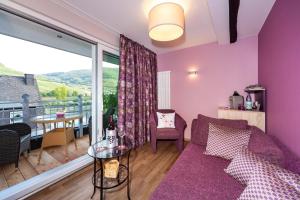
column 164, row 90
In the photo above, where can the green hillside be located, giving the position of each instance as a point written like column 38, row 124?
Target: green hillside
column 46, row 86
column 82, row 79
column 74, row 82
column 76, row 77
column 110, row 80
column 10, row 72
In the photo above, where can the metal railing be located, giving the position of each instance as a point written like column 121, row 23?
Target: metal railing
column 24, row 111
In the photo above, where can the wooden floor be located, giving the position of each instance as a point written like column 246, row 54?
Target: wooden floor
column 51, row 158
column 146, row 171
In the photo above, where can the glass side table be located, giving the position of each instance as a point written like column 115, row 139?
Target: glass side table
column 100, row 153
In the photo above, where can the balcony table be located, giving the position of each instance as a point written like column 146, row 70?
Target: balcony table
column 57, row 136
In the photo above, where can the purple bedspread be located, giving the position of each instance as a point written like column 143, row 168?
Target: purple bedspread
column 196, row 176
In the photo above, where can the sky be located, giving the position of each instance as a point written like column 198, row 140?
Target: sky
column 32, row 58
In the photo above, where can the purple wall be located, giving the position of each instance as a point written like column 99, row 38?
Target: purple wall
column 279, row 71
column 222, row 69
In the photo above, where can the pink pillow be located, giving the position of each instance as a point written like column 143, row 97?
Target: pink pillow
column 265, row 186
column 199, row 133
column 243, row 165
column 226, row 142
column 165, row 120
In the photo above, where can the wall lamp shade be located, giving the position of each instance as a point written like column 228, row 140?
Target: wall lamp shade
column 166, row 22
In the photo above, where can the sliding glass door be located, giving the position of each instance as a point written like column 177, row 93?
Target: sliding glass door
column 110, row 71
column 49, row 83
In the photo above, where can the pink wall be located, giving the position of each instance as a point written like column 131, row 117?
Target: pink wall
column 279, row 71
column 222, row 69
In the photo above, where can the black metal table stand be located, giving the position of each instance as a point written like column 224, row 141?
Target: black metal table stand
column 128, row 183
column 119, row 179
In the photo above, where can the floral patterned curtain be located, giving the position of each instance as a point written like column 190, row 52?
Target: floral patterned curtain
column 137, row 90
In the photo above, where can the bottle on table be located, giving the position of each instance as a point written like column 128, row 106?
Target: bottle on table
column 111, row 135
column 248, row 102
column 111, row 124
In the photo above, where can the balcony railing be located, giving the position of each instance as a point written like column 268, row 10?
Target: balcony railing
column 24, row 111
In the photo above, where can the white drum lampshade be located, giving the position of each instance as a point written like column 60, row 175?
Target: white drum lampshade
column 166, row 22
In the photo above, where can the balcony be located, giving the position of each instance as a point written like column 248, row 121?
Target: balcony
column 25, row 111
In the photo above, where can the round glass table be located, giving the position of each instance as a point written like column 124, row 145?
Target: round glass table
column 100, row 153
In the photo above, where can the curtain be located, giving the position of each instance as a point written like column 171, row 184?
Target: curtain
column 137, row 90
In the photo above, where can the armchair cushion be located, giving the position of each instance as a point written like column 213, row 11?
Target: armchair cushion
column 165, row 120
column 167, row 133
column 25, row 143
column 161, row 111
column 24, row 138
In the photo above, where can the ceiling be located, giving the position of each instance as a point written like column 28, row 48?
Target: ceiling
column 206, row 21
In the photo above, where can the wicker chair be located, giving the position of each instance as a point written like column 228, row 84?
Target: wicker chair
column 14, row 138
column 9, row 147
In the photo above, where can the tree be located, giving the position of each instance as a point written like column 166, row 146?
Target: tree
column 110, row 101
column 61, row 93
column 74, row 93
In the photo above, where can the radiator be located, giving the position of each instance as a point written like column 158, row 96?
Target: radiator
column 164, row 90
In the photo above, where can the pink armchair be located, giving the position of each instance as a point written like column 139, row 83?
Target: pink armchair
column 176, row 134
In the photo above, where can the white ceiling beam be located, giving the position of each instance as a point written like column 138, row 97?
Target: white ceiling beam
column 219, row 12
column 251, row 18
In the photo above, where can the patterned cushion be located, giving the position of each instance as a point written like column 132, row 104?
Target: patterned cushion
column 165, row 120
column 286, row 176
column 290, row 178
column 265, row 186
column 226, row 142
column 242, row 165
column 199, row 132
column 245, row 163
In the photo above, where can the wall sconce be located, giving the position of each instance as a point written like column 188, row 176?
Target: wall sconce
column 193, row 73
